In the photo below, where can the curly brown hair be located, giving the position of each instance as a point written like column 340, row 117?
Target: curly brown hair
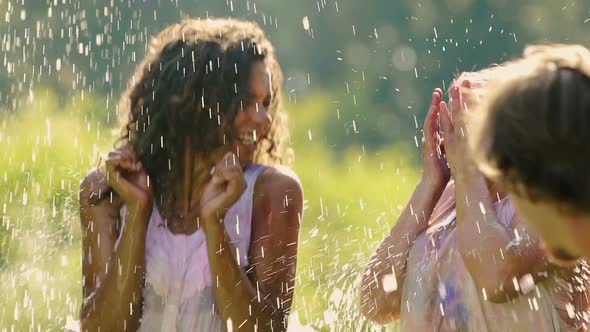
column 190, row 86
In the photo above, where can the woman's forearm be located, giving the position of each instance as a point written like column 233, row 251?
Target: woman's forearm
column 237, row 299
column 380, row 302
column 481, row 238
column 495, row 259
column 115, row 305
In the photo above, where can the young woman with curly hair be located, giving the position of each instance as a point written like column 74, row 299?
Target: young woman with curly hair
column 193, row 224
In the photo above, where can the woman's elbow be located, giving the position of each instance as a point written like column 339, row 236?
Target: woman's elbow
column 88, row 324
column 92, row 320
column 89, row 321
column 380, row 315
column 377, row 308
column 85, row 315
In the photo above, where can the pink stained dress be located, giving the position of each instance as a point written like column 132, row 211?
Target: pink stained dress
column 440, row 295
column 178, row 295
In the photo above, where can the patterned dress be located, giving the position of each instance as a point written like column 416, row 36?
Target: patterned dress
column 440, row 295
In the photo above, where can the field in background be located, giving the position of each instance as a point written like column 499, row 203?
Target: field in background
column 352, row 199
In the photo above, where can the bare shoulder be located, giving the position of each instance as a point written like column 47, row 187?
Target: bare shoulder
column 278, row 198
column 97, row 197
column 92, row 183
column 277, row 215
column 279, row 180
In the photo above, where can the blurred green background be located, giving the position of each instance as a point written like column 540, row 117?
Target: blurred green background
column 358, row 77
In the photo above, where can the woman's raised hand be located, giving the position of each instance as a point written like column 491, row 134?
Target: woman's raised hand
column 434, row 163
column 129, row 179
column 226, row 186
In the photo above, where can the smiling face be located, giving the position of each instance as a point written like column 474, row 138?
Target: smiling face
column 253, row 120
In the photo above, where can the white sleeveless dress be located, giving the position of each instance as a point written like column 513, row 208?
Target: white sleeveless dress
column 178, row 295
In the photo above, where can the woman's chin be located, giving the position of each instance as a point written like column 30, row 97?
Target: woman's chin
column 245, row 154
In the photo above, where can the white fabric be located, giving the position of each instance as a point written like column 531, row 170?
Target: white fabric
column 178, row 295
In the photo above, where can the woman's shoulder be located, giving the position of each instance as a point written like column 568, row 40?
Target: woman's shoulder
column 278, row 188
column 93, row 186
column 96, row 196
column 277, row 201
column 278, row 177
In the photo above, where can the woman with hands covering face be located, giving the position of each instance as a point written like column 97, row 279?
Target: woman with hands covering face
column 460, row 258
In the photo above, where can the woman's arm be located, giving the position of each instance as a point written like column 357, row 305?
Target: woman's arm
column 380, row 304
column 505, row 260
column 383, row 305
column 497, row 256
column 113, row 278
column 262, row 304
column 277, row 214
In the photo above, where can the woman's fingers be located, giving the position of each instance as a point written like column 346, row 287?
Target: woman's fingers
column 456, row 101
column 439, row 92
column 230, row 160
column 115, row 178
column 229, row 181
column 228, row 170
column 121, row 163
column 127, row 154
column 445, row 117
column 236, row 184
column 431, row 126
column 126, row 176
column 229, row 175
column 217, row 180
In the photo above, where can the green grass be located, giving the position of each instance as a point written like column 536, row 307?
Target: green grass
column 351, row 201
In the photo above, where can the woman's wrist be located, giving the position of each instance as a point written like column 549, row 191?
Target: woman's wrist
column 431, row 186
column 209, row 221
column 463, row 168
column 139, row 215
column 425, row 197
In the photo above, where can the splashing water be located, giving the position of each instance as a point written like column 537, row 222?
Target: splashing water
column 355, row 77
